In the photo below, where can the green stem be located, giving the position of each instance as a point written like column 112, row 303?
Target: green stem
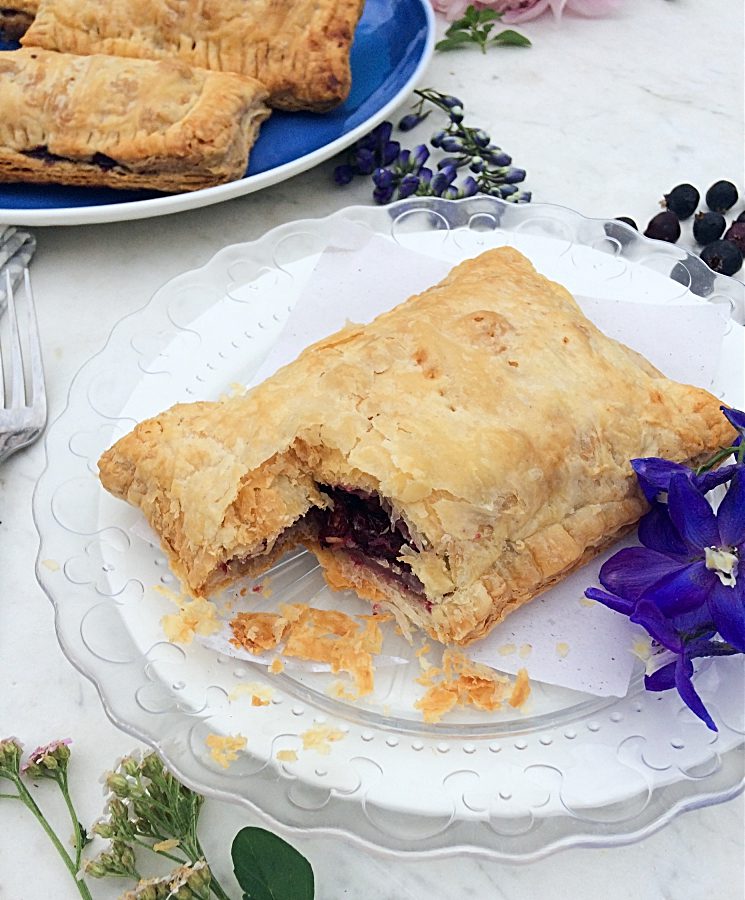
column 215, row 885
column 30, row 803
column 79, row 842
column 9, row 797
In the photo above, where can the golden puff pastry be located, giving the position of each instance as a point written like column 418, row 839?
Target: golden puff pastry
column 298, row 48
column 15, row 18
column 124, row 123
column 450, row 460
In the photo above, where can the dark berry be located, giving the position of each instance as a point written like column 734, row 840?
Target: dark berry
column 682, row 200
column 708, row 227
column 722, row 256
column 629, row 221
column 741, row 217
column 721, row 196
column 664, row 227
column 736, row 234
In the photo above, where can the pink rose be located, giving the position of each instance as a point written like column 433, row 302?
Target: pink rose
column 523, row 10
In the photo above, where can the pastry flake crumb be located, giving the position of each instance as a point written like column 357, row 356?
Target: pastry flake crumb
column 257, row 631
column 506, row 649
column 259, row 694
column 525, row 651
column 276, row 666
column 467, row 683
column 51, row 564
column 320, row 738
column 562, row 649
column 224, row 748
column 520, row 689
column 287, row 755
column 165, row 846
column 198, row 616
column 328, row 636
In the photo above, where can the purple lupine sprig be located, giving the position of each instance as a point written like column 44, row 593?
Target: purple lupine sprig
column 686, row 584
column 399, row 173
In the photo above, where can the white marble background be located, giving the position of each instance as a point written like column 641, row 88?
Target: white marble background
column 605, row 115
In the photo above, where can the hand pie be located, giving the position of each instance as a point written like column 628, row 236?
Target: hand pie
column 124, row 123
column 450, row 460
column 298, row 48
column 16, row 17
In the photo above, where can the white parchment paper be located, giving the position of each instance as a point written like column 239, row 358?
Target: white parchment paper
column 561, row 637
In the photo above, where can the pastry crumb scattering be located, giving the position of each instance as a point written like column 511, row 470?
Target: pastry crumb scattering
column 260, row 694
column 525, row 651
column 562, row 649
column 276, row 666
column 165, row 846
column 520, row 689
column 224, row 748
column 257, row 631
column 467, row 683
column 197, row 616
column 345, row 643
column 320, row 738
column 287, row 755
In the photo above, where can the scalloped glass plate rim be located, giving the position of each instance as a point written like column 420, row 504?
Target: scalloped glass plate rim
column 575, row 838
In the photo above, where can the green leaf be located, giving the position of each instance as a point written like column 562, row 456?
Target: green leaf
column 268, row 868
column 511, row 38
column 455, row 42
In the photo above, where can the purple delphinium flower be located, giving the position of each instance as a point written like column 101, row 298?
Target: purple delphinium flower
column 736, row 418
column 654, row 474
column 686, row 584
column 699, row 569
column 683, row 586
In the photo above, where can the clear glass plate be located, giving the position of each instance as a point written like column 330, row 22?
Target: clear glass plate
column 569, row 770
column 393, row 44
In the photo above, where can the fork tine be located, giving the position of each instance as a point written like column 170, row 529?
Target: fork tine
column 36, row 365
column 15, row 371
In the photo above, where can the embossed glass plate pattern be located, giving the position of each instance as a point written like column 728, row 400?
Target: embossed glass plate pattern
column 392, row 47
column 572, row 770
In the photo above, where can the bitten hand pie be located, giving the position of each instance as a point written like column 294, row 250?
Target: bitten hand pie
column 450, row 460
column 124, row 123
column 298, row 48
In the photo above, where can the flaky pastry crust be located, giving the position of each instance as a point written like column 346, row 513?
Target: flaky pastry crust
column 494, row 419
column 124, row 123
column 298, row 48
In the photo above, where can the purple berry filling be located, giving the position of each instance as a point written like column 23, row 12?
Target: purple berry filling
column 360, row 525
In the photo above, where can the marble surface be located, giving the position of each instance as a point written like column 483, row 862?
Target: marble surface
column 605, row 115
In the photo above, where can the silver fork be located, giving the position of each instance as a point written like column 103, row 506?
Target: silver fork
column 23, row 398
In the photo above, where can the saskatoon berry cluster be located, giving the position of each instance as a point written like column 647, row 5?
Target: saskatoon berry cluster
column 723, row 248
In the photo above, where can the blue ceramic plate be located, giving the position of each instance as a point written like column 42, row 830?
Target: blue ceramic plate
column 392, row 46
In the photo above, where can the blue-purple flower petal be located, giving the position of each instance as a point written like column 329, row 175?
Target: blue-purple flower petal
column 661, row 680
column 727, row 609
column 714, row 477
column 634, row 570
column 657, row 532
column 654, row 474
column 619, row 604
column 691, row 514
column 735, row 417
column 658, row 625
column 683, row 675
column 731, row 513
column 683, row 590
